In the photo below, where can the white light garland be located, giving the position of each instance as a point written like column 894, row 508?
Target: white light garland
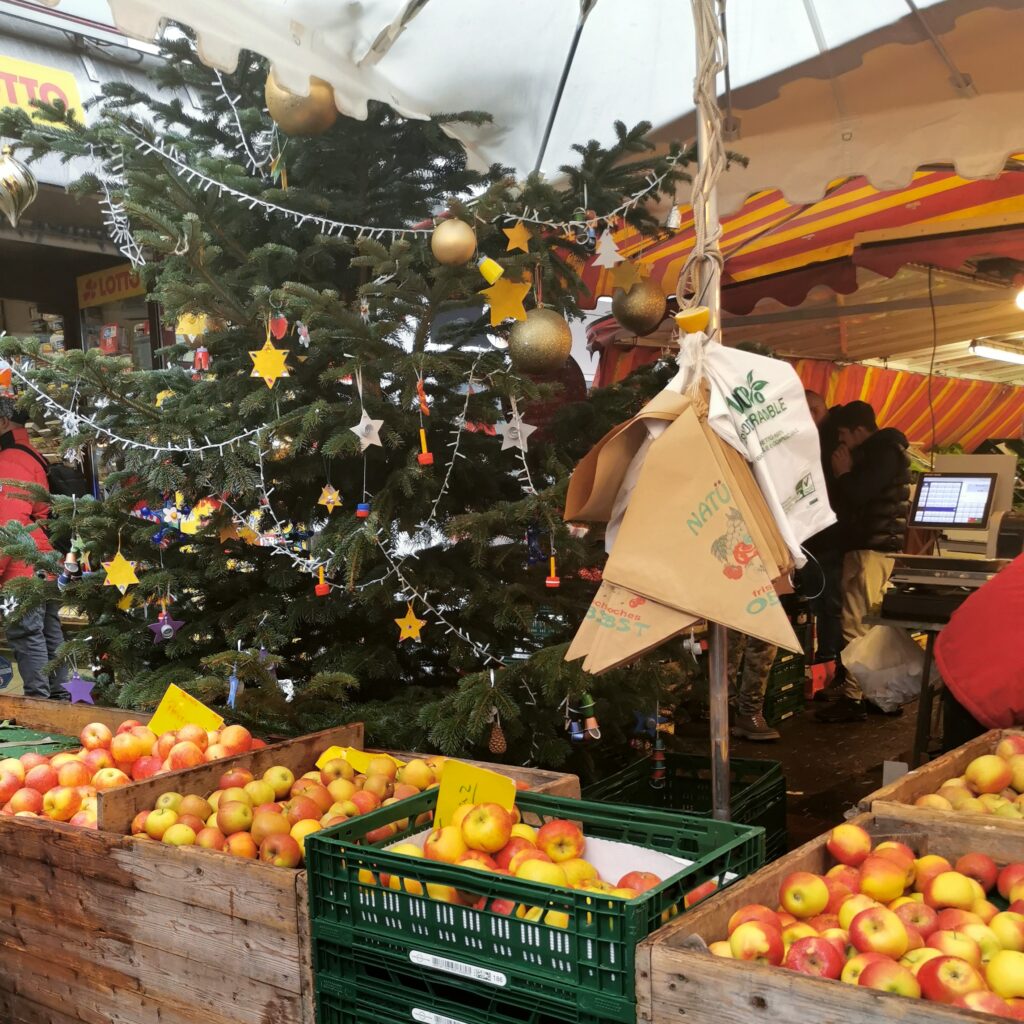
column 255, row 164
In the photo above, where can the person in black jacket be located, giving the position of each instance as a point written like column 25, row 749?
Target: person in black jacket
column 872, row 480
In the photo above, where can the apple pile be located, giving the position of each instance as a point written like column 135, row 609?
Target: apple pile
column 487, row 837
column 990, row 784
column 269, row 818
column 64, row 787
column 887, row 920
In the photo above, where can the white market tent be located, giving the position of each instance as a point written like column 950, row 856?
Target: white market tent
column 813, row 90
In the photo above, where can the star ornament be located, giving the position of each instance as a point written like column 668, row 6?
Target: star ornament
column 120, row 573
column 165, row 628
column 626, row 274
column 515, row 433
column 409, row 625
column 506, row 300
column 330, row 498
column 368, row 431
column 269, row 363
column 518, row 237
column 80, row 689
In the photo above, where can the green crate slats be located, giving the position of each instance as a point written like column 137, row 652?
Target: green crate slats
column 757, row 791
column 15, row 741
column 589, row 964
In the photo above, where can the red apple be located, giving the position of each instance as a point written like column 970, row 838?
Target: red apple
column 194, row 734
column 236, row 738
column 241, row 845
column 281, row 850
column 510, row 849
column 127, row 726
column 95, row 735
column 109, row 778
column 42, row 777
column 164, row 744
column 302, row 808
column 1008, row 878
column 754, row 912
column 73, row 773
column 211, row 838
column 641, row 881
column 890, row 977
column 919, row 916
column 560, row 840
column 945, row 979
column 9, row 785
column 878, row 930
column 980, row 867
column 758, row 942
column 97, row 759
column 985, row 1002
column 849, row 844
column 236, row 778
column 146, row 767
column 815, row 956
column 184, row 755
column 126, row 749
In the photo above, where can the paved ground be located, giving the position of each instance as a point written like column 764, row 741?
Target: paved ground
column 828, row 768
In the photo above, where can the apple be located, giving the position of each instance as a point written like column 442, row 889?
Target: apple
column 194, row 734
column 97, row 759
column 950, row 889
column 195, row 805
column 73, row 773
column 1008, row 878
column 546, row 872
column 890, row 977
column 84, row 819
column 164, row 742
column 823, row 922
column 988, row 774
column 301, row 808
column 803, row 894
column 641, row 881
column 211, row 838
column 381, row 833
column 159, row 821
column 951, row 919
column 815, row 956
column 472, row 856
column 754, row 912
column 1005, row 974
column 839, row 938
column 341, row 789
column 62, row 803
column 95, row 735
column 379, row 785
column 234, row 816
column 146, row 767
column 985, row 1002
column 33, row 760
column 241, row 844
column 302, row 829
column 901, row 854
column 139, row 822
column 337, row 768
column 109, row 778
column 857, row 964
column 180, row 834
column 236, row 794
column 239, row 778
column 927, row 867
column 838, row 893
column 42, row 777
column 184, row 754
column 13, row 766
column 878, row 930
column 934, row 802
column 215, row 752
column 919, row 916
column 529, row 854
column 797, row 930
column 382, row 765
column 560, row 840
column 956, row 944
column 316, row 792
column 852, row 907
column 517, row 843
column 849, row 844
column 281, row 850
column 170, row 801
column 1011, row 743
column 445, row 844
column 416, row 773
column 720, row 948
column 127, row 726
column 524, row 832
column 691, row 899
column 985, row 910
column 126, row 748
column 238, row 739
column 758, row 942
column 1008, row 928
column 882, row 879
column 194, row 823
column 913, row 958
column 945, row 979
column 365, row 802
column 987, row 940
column 146, row 737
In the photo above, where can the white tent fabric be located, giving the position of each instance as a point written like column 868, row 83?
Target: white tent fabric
column 822, row 88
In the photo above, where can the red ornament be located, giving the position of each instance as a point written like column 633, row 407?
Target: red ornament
column 278, row 326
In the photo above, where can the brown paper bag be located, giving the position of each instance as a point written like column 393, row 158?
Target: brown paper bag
column 620, row 626
column 687, row 540
column 596, row 480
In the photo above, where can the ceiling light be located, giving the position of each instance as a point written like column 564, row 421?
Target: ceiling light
column 987, row 350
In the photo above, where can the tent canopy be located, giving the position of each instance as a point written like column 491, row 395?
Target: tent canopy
column 813, row 81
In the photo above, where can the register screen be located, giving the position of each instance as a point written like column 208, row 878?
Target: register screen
column 960, row 500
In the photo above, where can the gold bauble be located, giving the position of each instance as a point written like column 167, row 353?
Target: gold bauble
column 453, row 242
column 641, row 309
column 302, row 115
column 18, row 187
column 540, row 344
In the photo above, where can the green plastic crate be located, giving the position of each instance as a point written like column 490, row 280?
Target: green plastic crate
column 588, row 964
column 359, row 987
column 788, row 668
column 757, row 791
column 15, row 741
column 779, row 707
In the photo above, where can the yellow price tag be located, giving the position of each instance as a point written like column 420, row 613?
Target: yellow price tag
column 359, row 759
column 464, row 783
column 178, row 708
column 330, row 754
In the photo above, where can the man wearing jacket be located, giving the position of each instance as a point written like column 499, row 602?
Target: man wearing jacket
column 872, row 472
column 36, row 635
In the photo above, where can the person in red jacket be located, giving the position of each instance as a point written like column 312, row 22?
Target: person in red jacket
column 981, row 659
column 34, row 636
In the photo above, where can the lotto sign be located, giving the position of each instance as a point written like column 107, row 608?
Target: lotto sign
column 111, row 285
column 22, row 82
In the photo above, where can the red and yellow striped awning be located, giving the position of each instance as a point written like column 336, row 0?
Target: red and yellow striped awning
column 770, row 238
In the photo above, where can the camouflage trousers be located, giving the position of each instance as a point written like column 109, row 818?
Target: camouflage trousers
column 747, row 685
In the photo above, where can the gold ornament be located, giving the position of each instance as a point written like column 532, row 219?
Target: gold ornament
column 453, row 243
column 541, row 343
column 302, row 115
column 18, row 187
column 641, row 309
column 497, row 744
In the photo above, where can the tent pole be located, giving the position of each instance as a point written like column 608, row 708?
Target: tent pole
column 708, row 283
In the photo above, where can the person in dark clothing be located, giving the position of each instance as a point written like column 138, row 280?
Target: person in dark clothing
column 872, row 474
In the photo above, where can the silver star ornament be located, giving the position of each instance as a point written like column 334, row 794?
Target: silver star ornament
column 515, row 433
column 368, row 431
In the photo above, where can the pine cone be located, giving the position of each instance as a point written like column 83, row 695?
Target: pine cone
column 497, row 743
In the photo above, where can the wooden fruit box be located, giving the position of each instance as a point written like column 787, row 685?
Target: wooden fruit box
column 60, row 716
column 897, row 799
column 99, row 928
column 677, row 979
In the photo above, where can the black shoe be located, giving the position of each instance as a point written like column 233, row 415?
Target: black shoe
column 753, row 727
column 830, row 693
column 843, row 710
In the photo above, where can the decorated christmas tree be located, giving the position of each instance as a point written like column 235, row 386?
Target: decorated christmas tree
column 329, row 503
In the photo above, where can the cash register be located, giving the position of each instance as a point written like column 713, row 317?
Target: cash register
column 957, row 503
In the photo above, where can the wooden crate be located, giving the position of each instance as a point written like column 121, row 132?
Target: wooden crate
column 678, row 980
column 60, row 716
column 99, row 928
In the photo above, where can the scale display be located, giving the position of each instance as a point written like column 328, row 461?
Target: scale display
column 961, row 501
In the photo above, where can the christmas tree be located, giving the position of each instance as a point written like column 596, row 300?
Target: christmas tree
column 316, row 364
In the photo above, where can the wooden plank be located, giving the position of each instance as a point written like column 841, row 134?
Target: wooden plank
column 307, row 992
column 1001, row 838
column 676, row 979
column 60, row 716
column 539, row 780
column 118, row 807
column 928, row 778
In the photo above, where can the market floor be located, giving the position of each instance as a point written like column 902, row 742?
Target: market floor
column 828, row 768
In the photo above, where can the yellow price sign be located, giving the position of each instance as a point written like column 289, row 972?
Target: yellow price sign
column 359, row 759
column 178, row 708
column 464, row 783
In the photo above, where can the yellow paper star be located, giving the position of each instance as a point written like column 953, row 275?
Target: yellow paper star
column 162, row 396
column 126, row 602
column 190, row 524
column 330, row 498
column 409, row 625
column 518, row 237
column 191, row 325
column 269, row 363
column 120, row 573
column 506, row 300
column 626, row 274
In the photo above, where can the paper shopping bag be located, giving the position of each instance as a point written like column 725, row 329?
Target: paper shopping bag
column 687, row 540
